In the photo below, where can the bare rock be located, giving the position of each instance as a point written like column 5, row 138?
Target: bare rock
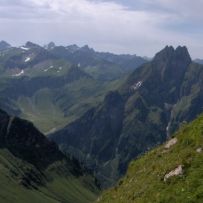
column 199, row 150
column 176, row 172
column 170, row 143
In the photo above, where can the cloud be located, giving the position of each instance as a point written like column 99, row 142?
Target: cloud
column 142, row 26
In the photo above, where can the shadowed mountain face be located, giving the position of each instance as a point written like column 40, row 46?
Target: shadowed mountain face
column 23, row 140
column 152, row 103
column 33, row 169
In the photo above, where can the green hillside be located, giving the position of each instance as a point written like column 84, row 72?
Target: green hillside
column 32, row 169
column 147, row 179
column 62, row 187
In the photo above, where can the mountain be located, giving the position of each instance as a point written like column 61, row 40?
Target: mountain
column 34, row 170
column 52, row 94
column 34, row 69
column 126, row 61
column 23, row 57
column 50, row 46
column 200, row 61
column 169, row 173
column 47, row 89
column 4, row 45
column 151, row 104
column 102, row 66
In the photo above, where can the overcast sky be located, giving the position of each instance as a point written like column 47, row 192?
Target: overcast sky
column 142, row 27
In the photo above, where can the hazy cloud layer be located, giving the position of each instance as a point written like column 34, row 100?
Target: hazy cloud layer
column 122, row 26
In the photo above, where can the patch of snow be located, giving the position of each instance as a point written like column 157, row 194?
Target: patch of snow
column 168, row 129
column 136, row 85
column 9, row 125
column 176, row 172
column 19, row 74
column 171, row 108
column 50, row 67
column 24, row 48
column 170, row 143
column 59, row 69
column 27, row 59
column 51, row 131
column 199, row 150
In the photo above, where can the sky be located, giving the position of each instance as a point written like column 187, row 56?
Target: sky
column 140, row 27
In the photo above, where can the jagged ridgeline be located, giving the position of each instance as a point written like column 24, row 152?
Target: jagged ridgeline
column 172, row 172
column 151, row 104
column 32, row 169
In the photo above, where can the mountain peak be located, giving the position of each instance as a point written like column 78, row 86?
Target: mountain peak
column 50, row 46
column 4, row 45
column 182, row 52
column 86, row 48
column 164, row 53
column 72, row 48
column 31, row 45
column 168, row 53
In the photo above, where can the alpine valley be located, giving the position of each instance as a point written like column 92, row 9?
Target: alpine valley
column 53, row 85
column 72, row 119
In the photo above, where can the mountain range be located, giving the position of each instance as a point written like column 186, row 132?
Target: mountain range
column 143, row 112
column 53, row 85
column 103, row 111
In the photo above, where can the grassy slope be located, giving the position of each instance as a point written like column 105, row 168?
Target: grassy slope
column 41, row 110
column 61, row 189
column 144, row 183
column 49, row 109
